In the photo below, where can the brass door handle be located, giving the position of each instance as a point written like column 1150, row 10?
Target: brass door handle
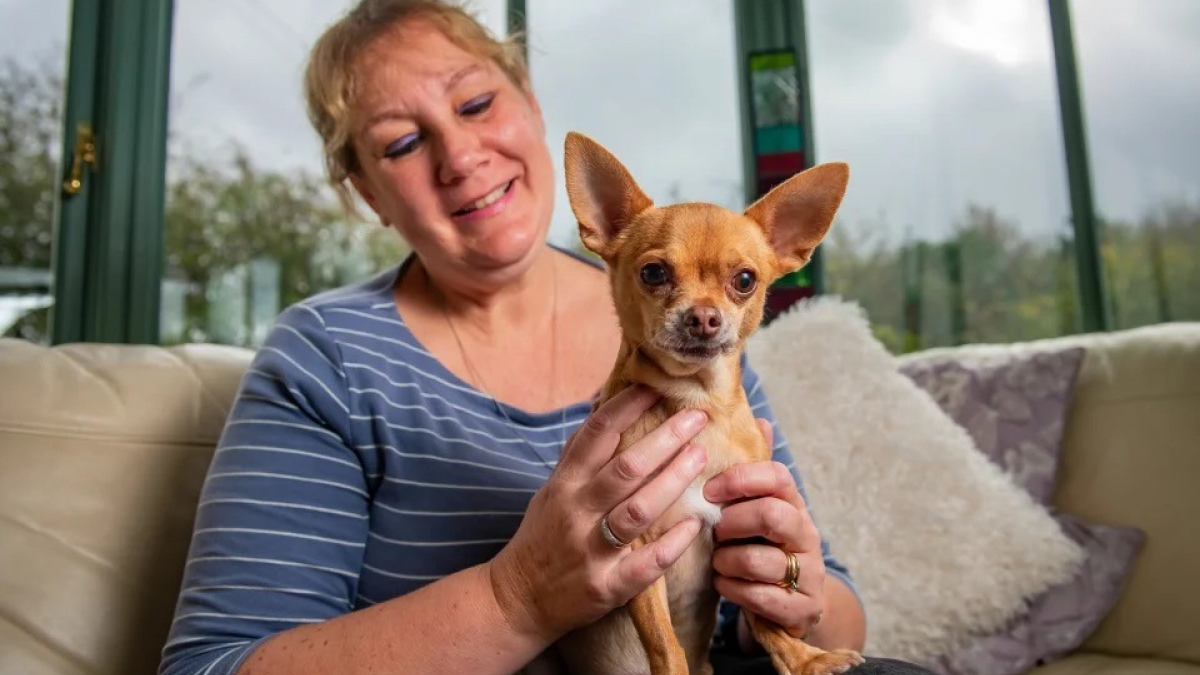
column 85, row 153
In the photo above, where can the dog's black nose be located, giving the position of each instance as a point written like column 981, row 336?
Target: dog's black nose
column 703, row 322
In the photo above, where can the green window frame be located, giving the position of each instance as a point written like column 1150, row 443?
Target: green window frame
column 108, row 255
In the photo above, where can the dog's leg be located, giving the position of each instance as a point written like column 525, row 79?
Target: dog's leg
column 793, row 656
column 651, row 616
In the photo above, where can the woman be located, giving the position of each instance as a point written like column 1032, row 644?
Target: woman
column 395, row 448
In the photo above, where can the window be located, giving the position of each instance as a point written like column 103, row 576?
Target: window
column 1137, row 68
column 956, row 226
column 251, row 226
column 33, row 41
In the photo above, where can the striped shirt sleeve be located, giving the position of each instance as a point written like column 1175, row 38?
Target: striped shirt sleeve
column 281, row 526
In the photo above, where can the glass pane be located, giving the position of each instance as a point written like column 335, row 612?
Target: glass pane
column 956, row 225
column 655, row 82
column 251, row 226
column 33, row 43
column 1141, row 95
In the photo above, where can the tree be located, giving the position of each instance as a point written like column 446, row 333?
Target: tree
column 226, row 220
column 243, row 241
column 30, row 109
column 989, row 281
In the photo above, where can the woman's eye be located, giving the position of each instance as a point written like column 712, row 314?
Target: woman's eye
column 744, row 282
column 402, row 146
column 477, row 105
column 654, row 274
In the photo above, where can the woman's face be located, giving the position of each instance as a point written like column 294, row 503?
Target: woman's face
column 452, row 153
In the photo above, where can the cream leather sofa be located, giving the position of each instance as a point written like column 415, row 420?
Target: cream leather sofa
column 103, row 450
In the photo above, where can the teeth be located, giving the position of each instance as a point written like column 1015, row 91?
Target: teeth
column 488, row 199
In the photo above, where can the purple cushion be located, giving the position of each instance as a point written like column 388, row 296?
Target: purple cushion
column 1015, row 409
column 1062, row 618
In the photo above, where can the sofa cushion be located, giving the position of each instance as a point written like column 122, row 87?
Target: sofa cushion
column 1131, row 458
column 1015, row 408
column 1097, row 664
column 1062, row 618
column 939, row 541
column 103, row 450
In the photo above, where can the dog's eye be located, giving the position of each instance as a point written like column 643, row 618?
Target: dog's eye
column 744, row 282
column 654, row 274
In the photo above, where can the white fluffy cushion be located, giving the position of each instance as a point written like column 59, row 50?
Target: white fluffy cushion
column 939, row 541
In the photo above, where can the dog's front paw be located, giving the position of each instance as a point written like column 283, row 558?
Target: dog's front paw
column 831, row 663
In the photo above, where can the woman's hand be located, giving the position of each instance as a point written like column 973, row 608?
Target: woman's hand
column 768, row 511
column 558, row 572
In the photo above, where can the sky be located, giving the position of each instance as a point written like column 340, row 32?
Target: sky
column 935, row 104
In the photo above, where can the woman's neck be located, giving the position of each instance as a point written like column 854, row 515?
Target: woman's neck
column 487, row 309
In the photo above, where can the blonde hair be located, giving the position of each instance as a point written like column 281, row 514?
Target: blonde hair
column 331, row 85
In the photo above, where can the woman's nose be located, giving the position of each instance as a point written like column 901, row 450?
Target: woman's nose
column 461, row 155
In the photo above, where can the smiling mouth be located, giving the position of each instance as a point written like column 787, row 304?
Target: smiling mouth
column 487, row 200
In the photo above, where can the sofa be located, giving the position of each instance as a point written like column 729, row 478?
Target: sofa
column 103, row 450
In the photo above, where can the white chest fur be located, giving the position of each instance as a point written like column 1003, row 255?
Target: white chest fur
column 694, row 503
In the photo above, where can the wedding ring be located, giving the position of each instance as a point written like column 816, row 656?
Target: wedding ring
column 792, row 575
column 612, row 539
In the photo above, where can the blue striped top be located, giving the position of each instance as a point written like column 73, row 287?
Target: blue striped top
column 355, row 468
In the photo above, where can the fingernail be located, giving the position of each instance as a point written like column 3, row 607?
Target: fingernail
column 696, row 458
column 694, row 421
column 709, row 491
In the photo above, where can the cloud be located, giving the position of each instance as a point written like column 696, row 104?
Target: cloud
column 34, row 30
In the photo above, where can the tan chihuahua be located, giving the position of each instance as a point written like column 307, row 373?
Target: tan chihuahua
column 689, row 282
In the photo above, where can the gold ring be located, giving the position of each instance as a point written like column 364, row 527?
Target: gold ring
column 792, row 575
column 612, row 539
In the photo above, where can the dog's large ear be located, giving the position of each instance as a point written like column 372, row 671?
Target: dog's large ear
column 797, row 213
column 603, row 195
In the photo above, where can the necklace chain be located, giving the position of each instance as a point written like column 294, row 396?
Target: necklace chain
column 462, row 350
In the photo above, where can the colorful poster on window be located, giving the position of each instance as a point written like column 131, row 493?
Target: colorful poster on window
column 777, row 116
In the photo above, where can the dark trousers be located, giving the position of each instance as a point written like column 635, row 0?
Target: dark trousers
column 731, row 664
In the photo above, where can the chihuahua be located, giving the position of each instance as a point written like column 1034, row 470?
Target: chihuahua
column 689, row 283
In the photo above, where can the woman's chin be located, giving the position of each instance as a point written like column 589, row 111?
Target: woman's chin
column 506, row 248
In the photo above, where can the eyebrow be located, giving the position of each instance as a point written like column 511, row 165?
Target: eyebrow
column 451, row 82
column 463, row 74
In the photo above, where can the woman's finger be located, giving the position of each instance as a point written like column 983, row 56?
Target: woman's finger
column 753, row 479
column 751, row 562
column 632, row 517
column 630, row 468
column 769, row 518
column 796, row 612
column 644, row 565
column 768, row 433
column 597, row 440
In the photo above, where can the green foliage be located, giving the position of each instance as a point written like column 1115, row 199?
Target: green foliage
column 989, row 282
column 242, row 242
column 30, row 107
column 226, row 221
